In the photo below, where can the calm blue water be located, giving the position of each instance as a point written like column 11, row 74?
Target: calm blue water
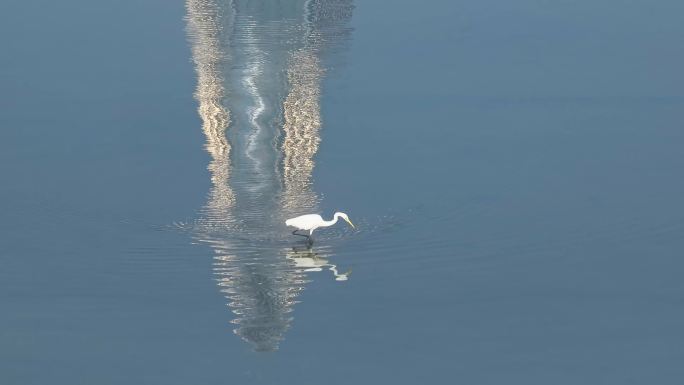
column 513, row 169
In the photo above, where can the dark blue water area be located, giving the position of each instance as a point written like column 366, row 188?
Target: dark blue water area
column 513, row 170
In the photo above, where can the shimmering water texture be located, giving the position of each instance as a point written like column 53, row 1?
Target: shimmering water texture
column 259, row 72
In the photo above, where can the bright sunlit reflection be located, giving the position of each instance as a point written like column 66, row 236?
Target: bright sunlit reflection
column 259, row 70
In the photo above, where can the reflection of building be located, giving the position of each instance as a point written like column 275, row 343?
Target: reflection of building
column 259, row 69
column 325, row 24
column 302, row 122
column 261, row 289
column 206, row 25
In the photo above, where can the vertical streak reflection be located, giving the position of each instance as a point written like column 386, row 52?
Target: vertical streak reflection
column 301, row 127
column 325, row 28
column 207, row 23
column 259, row 70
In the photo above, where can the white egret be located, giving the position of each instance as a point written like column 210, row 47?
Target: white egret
column 311, row 222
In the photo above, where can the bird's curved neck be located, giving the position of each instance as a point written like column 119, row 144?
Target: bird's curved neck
column 332, row 221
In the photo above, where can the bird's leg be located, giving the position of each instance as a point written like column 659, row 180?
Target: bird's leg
column 301, row 235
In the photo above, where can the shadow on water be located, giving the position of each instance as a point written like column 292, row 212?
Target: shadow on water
column 259, row 71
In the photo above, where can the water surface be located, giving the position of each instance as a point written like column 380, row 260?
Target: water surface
column 514, row 171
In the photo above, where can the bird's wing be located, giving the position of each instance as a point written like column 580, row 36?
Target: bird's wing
column 304, row 221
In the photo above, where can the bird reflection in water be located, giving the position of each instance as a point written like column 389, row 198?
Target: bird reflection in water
column 259, row 70
column 306, row 259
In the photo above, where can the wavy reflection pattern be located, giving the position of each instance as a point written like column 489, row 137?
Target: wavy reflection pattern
column 207, row 22
column 259, row 71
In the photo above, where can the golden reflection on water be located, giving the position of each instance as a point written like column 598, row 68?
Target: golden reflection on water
column 259, row 75
column 206, row 23
column 302, row 124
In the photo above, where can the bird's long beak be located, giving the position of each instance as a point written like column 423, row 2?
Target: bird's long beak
column 351, row 224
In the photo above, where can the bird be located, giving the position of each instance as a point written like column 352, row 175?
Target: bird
column 311, row 222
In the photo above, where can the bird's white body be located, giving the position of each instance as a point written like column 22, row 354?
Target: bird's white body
column 306, row 222
column 311, row 222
